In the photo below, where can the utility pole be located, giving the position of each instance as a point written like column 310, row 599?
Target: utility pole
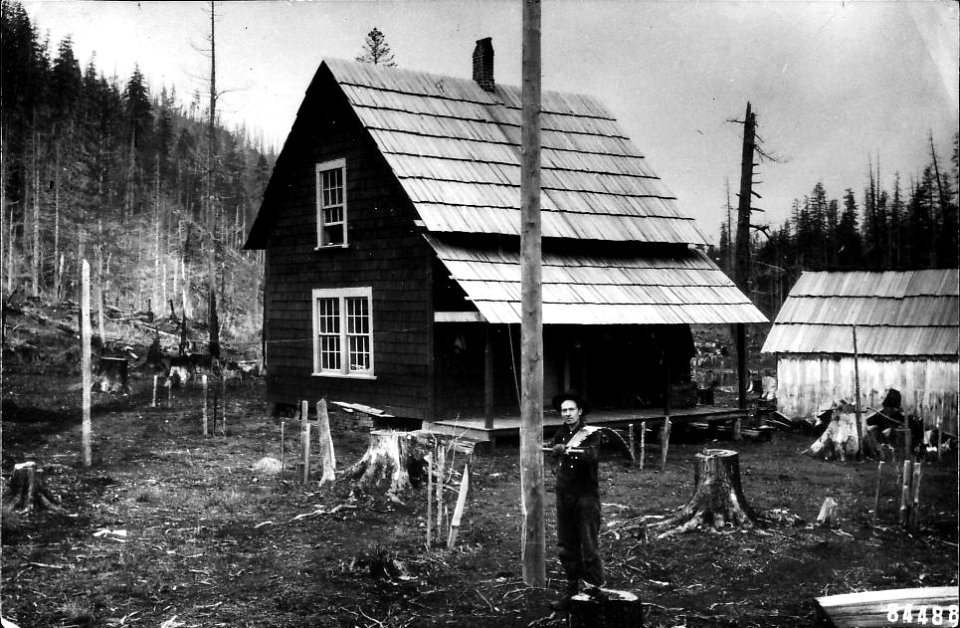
column 742, row 274
column 531, row 325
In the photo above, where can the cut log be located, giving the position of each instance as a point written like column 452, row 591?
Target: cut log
column 27, row 490
column 718, row 499
column 390, row 460
column 606, row 608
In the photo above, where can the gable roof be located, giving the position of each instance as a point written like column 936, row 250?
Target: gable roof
column 455, row 149
column 896, row 313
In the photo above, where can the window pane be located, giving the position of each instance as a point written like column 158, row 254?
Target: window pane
column 359, row 353
column 333, row 234
column 330, row 352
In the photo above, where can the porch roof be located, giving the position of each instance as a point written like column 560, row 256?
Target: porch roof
column 679, row 286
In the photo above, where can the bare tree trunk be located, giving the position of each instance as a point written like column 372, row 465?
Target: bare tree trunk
column 56, row 229
column 86, row 379
column 35, row 259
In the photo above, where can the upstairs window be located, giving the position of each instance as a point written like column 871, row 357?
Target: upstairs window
column 332, row 203
column 343, row 332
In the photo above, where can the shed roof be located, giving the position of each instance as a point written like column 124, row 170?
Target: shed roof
column 674, row 286
column 455, row 149
column 896, row 314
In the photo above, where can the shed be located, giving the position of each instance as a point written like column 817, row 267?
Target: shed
column 391, row 225
column 907, row 327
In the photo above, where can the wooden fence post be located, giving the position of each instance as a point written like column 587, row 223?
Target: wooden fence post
column 643, row 442
column 204, row 380
column 305, row 439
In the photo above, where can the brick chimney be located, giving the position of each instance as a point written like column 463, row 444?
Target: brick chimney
column 483, row 64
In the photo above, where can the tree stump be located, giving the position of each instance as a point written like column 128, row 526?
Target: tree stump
column 606, row 609
column 718, row 499
column 27, row 491
column 390, row 460
column 113, row 375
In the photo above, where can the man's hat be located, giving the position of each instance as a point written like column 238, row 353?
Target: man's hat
column 571, row 395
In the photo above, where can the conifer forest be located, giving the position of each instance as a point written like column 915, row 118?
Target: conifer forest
column 155, row 194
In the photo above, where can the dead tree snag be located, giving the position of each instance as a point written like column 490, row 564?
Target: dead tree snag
column 27, row 490
column 718, row 499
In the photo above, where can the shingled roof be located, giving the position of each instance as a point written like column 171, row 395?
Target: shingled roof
column 896, row 313
column 455, row 149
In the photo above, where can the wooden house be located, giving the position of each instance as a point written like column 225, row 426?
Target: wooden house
column 907, row 325
column 391, row 227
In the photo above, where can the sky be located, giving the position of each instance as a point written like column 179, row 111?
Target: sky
column 837, row 87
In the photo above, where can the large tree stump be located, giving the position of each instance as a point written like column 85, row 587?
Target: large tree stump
column 718, row 499
column 390, row 460
column 27, row 491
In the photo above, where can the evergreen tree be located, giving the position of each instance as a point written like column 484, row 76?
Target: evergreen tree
column 850, row 253
column 376, row 50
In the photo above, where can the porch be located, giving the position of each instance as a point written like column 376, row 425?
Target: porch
column 476, row 428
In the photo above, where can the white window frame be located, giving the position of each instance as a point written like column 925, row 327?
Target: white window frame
column 327, row 166
column 342, row 294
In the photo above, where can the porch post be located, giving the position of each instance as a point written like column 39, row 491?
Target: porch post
column 742, row 365
column 487, row 377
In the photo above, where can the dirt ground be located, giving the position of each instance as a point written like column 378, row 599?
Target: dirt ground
column 170, row 528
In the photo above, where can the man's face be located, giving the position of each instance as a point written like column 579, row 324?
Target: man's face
column 570, row 412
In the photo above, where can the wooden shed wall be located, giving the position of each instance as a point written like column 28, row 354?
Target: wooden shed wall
column 808, row 383
column 385, row 252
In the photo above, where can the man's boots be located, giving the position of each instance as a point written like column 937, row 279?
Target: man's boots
column 563, row 604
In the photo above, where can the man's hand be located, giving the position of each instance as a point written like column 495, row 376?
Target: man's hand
column 559, row 449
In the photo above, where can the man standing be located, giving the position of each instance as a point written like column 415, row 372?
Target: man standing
column 576, row 452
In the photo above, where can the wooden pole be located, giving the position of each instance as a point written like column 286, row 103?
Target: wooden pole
column 328, row 459
column 531, row 353
column 643, row 442
column 431, row 468
column 630, row 441
column 856, row 388
column 487, row 377
column 155, row 378
column 915, row 497
column 458, row 510
column 204, row 380
column 876, row 493
column 665, row 433
column 85, row 375
column 223, row 395
column 283, row 452
column 305, row 440
column 905, row 479
column 438, row 487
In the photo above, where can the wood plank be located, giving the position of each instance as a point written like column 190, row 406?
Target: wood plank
column 894, row 607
